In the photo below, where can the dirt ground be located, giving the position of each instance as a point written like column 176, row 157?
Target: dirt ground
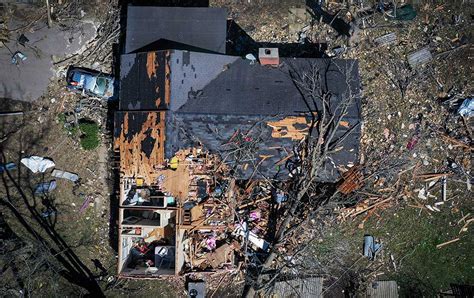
column 419, row 115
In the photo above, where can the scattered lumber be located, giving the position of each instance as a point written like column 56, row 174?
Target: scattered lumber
column 372, row 206
column 447, row 242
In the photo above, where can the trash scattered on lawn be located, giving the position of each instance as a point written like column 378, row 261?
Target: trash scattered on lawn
column 45, row 187
column 18, row 57
column 23, row 40
column 335, row 51
column 467, row 108
column 87, row 202
column 65, row 175
column 419, row 58
column 371, row 248
column 37, row 163
column 7, row 167
column 48, row 213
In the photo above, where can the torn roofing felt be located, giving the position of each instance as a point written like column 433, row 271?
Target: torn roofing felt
column 200, row 27
column 192, row 82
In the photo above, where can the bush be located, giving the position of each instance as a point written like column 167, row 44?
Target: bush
column 90, row 134
column 71, row 128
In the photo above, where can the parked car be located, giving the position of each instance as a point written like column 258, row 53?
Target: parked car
column 90, row 82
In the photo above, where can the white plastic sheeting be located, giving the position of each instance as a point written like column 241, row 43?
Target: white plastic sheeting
column 37, row 163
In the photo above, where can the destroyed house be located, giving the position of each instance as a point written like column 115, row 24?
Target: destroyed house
column 183, row 113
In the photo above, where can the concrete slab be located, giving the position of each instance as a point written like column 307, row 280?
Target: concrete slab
column 28, row 80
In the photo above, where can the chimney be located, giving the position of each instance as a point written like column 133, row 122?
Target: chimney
column 269, row 56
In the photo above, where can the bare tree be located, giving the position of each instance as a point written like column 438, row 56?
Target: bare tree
column 305, row 196
column 45, row 250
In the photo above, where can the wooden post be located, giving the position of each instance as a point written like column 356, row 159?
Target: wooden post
column 49, row 13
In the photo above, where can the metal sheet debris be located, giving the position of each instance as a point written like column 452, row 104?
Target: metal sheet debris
column 386, row 39
column 419, row 58
column 65, row 175
column 467, row 108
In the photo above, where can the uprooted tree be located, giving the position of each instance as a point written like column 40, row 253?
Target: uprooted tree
column 306, row 195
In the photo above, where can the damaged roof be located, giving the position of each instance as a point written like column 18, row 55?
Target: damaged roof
column 140, row 138
column 193, row 82
column 145, row 81
column 210, row 97
column 199, row 27
column 261, row 102
column 270, row 138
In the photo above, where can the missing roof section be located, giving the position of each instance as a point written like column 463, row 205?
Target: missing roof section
column 200, row 27
column 140, row 139
column 145, row 81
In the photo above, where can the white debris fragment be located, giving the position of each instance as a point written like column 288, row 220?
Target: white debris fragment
column 422, row 194
column 429, row 207
column 65, row 175
column 37, row 163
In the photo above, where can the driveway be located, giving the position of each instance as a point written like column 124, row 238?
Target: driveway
column 28, row 80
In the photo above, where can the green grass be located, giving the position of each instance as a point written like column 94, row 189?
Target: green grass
column 72, row 130
column 422, row 269
column 412, row 238
column 90, row 134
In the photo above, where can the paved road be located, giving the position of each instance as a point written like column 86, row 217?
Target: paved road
column 29, row 80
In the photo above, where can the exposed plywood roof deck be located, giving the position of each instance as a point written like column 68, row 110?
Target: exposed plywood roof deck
column 140, row 139
column 176, row 182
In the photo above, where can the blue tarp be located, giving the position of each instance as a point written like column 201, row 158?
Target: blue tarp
column 45, row 187
column 7, row 167
column 467, row 108
column 371, row 247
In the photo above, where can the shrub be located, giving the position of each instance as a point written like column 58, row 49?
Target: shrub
column 90, row 134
